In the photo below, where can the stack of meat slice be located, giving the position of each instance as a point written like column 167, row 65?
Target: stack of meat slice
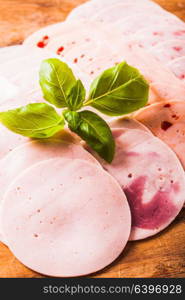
column 63, row 210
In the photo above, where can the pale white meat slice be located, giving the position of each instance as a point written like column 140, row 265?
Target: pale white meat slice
column 169, row 50
column 167, row 122
column 152, row 178
column 177, row 66
column 11, row 52
column 71, row 227
column 23, row 62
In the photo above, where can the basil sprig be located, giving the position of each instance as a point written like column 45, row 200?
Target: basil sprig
column 117, row 91
column 94, row 130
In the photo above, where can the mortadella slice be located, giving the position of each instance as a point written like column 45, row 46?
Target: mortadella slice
column 137, row 22
column 152, row 178
column 59, row 224
column 151, row 36
column 167, row 122
column 128, row 122
column 11, row 52
column 111, row 10
column 89, row 8
column 169, row 50
column 30, row 153
column 177, row 66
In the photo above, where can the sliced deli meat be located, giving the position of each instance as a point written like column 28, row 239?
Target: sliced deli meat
column 152, row 178
column 111, row 10
column 24, row 156
column 126, row 122
column 169, row 50
column 167, row 122
column 88, row 9
column 59, row 224
column 151, row 36
column 93, row 62
column 177, row 66
column 32, row 152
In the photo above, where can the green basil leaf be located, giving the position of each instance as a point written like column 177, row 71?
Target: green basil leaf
column 73, row 118
column 76, row 96
column 119, row 90
column 95, row 131
column 56, row 81
column 36, row 120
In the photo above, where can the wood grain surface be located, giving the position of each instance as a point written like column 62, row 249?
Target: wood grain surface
column 160, row 256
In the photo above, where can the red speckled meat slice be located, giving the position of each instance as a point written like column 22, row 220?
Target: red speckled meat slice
column 167, row 121
column 90, row 8
column 151, row 36
column 177, row 66
column 151, row 177
column 169, row 50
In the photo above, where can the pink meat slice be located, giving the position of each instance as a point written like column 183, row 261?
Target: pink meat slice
column 66, row 36
column 152, row 178
column 159, row 76
column 50, row 31
column 8, row 89
column 177, row 66
column 127, row 122
column 9, row 140
column 33, row 152
column 59, row 224
column 169, row 50
column 151, row 36
column 137, row 22
column 89, row 8
column 24, row 156
column 167, row 122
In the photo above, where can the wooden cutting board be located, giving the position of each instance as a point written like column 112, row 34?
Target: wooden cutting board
column 160, row 256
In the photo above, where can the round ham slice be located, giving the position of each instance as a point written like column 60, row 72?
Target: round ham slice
column 24, row 62
column 66, row 35
column 8, row 89
column 167, row 122
column 137, row 22
column 177, row 66
column 59, row 224
column 129, row 123
column 158, row 75
column 151, row 36
column 30, row 153
column 9, row 140
column 169, row 50
column 89, row 9
column 151, row 177
column 50, row 31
